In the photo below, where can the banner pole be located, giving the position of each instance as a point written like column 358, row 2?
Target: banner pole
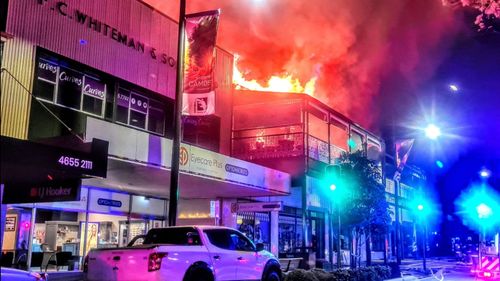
column 176, row 142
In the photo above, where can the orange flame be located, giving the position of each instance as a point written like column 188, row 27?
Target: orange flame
column 284, row 84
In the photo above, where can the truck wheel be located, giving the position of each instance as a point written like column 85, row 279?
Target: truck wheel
column 198, row 275
column 272, row 276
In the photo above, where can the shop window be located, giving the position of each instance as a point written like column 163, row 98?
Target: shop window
column 46, row 81
column 202, row 131
column 62, row 236
column 68, row 87
column 139, row 111
column 290, row 235
column 156, row 117
column 94, row 94
column 122, row 105
column 255, row 226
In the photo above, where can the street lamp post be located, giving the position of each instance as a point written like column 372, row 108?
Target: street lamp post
column 420, row 208
column 176, row 140
column 432, row 132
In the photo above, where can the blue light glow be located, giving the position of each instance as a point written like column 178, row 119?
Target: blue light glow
column 83, row 42
column 439, row 164
column 485, row 173
column 479, row 206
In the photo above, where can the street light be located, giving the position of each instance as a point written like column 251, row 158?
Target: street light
column 483, row 211
column 453, row 88
column 484, row 173
column 432, row 131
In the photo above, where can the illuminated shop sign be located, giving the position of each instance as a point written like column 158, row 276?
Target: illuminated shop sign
column 50, row 191
column 21, row 158
column 236, row 170
column 63, row 9
column 94, row 88
column 109, row 202
column 257, row 207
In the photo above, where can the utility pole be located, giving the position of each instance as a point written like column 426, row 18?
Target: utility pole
column 176, row 142
column 396, row 203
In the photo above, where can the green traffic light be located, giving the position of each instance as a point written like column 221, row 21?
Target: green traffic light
column 333, row 187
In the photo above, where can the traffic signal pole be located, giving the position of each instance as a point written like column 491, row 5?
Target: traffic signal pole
column 339, row 243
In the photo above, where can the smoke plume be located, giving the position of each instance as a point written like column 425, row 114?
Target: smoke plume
column 350, row 46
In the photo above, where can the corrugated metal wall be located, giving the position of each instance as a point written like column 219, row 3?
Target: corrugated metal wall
column 55, row 27
column 15, row 100
column 224, row 97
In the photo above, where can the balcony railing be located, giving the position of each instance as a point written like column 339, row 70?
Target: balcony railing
column 269, row 147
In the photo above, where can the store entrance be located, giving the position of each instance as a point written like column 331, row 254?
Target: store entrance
column 256, row 226
column 317, row 228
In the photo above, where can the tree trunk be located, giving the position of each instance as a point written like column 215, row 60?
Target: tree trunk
column 368, row 246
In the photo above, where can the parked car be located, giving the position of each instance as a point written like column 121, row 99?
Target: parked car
column 194, row 253
column 12, row 274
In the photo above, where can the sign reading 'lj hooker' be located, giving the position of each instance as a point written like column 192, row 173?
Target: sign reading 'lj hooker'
column 49, row 191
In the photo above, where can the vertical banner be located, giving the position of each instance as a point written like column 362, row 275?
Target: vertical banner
column 403, row 148
column 199, row 60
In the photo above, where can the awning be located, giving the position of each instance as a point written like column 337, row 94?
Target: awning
column 140, row 163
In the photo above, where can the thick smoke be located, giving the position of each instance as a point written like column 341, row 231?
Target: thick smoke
column 351, row 46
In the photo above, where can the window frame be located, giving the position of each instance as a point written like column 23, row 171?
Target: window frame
column 56, row 92
column 129, row 109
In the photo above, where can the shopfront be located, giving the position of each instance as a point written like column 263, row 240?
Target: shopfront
column 64, row 232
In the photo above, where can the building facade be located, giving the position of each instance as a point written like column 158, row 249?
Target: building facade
column 302, row 136
column 83, row 70
column 74, row 71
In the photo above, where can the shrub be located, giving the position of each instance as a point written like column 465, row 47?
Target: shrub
column 322, row 275
column 301, row 275
column 371, row 273
column 342, row 274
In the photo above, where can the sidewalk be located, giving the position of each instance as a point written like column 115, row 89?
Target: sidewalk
column 65, row 275
column 406, row 278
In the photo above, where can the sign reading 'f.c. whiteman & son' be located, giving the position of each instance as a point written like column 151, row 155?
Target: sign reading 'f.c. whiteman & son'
column 62, row 9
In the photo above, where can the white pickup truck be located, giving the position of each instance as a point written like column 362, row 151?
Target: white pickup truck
column 195, row 253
